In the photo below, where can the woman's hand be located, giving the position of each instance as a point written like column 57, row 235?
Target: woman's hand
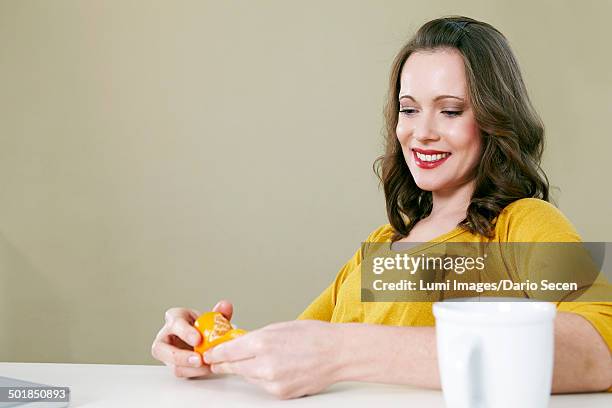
column 174, row 343
column 288, row 359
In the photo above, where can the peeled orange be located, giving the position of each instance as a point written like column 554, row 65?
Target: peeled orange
column 215, row 329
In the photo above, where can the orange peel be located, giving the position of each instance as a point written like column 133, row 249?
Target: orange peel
column 215, row 329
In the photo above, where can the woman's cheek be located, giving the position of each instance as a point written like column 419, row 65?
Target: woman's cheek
column 401, row 131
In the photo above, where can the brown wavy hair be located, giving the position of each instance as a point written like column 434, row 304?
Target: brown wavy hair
column 511, row 130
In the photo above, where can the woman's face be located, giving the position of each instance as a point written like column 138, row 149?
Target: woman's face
column 436, row 128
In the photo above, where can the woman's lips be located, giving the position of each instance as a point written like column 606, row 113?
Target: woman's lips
column 429, row 159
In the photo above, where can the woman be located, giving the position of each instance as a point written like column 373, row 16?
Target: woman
column 461, row 164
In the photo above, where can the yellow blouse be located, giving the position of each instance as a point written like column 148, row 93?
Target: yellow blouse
column 525, row 220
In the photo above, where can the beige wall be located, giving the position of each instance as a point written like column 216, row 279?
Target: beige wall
column 173, row 153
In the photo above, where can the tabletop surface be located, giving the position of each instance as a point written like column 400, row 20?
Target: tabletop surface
column 102, row 385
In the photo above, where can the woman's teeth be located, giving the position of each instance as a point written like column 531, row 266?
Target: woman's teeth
column 431, row 157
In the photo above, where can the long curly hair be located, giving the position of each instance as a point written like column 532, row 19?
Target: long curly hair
column 511, row 130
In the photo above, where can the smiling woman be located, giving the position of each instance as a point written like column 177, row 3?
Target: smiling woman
column 461, row 94
column 463, row 148
column 437, row 125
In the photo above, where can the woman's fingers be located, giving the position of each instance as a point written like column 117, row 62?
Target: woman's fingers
column 190, row 372
column 246, row 368
column 241, row 348
column 180, row 321
column 185, row 331
column 225, row 307
column 174, row 343
column 180, row 313
column 171, row 355
column 261, row 375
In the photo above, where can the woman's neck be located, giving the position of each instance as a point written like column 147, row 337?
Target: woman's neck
column 452, row 203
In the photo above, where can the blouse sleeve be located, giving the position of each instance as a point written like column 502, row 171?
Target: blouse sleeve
column 322, row 308
column 539, row 221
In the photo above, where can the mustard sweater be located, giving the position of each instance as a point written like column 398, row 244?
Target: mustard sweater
column 525, row 220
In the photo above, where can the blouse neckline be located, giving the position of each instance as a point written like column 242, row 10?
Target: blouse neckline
column 424, row 245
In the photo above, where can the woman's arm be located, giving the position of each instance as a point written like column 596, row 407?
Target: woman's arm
column 303, row 357
column 583, row 361
column 407, row 355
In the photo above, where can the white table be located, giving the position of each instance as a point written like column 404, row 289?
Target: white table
column 101, row 385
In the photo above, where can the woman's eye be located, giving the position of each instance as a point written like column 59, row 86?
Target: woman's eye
column 410, row 111
column 407, row 111
column 452, row 113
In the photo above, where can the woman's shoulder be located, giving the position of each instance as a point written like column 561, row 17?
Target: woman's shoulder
column 529, row 209
column 533, row 219
column 381, row 234
column 523, row 220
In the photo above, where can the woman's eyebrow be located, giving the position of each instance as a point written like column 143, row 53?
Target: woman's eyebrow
column 437, row 98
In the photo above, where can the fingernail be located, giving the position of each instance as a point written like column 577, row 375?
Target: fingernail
column 194, row 361
column 207, row 357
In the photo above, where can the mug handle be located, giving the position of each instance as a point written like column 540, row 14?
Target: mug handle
column 465, row 371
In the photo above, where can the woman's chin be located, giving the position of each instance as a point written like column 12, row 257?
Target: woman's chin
column 427, row 186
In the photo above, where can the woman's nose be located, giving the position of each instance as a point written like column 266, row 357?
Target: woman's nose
column 424, row 130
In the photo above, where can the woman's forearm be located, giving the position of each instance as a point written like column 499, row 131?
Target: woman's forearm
column 408, row 355
column 388, row 354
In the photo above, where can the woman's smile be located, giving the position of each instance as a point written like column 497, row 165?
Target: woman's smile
column 429, row 159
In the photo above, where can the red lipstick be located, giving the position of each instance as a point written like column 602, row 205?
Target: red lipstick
column 429, row 164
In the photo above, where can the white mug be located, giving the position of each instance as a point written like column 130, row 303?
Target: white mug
column 496, row 353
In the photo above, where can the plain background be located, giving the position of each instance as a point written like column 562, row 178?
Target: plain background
column 155, row 154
